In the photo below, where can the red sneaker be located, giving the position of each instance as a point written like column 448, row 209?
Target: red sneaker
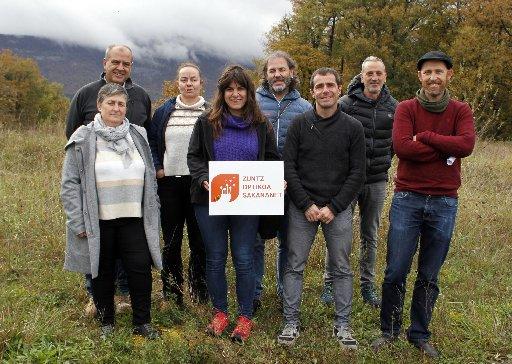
column 219, row 323
column 242, row 330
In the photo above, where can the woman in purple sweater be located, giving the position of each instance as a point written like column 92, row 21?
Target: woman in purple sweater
column 234, row 130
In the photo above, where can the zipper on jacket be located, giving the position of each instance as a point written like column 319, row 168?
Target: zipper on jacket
column 277, row 121
column 373, row 129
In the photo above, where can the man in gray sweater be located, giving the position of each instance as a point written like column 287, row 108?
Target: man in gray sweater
column 324, row 166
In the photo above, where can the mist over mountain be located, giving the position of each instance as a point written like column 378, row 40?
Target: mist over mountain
column 73, row 65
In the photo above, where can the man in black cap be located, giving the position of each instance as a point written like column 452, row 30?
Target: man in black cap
column 431, row 133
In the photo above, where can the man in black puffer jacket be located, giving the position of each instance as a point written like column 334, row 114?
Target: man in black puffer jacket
column 369, row 101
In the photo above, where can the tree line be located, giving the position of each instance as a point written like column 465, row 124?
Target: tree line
column 477, row 34
column 26, row 97
column 341, row 33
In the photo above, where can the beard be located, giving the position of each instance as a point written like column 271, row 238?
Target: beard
column 435, row 91
column 280, row 88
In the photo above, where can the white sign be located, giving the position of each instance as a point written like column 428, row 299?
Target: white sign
column 246, row 188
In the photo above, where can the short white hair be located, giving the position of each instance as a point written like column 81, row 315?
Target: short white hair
column 371, row 59
column 112, row 46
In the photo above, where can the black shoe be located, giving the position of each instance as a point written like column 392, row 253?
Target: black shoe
column 147, row 331
column 106, row 331
column 370, row 296
column 256, row 304
column 382, row 342
column 426, row 348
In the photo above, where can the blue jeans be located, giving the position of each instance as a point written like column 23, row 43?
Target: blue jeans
column 242, row 232
column 414, row 218
column 259, row 259
column 121, row 280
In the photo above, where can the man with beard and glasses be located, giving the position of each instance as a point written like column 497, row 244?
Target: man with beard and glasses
column 369, row 101
column 431, row 134
column 117, row 67
column 280, row 102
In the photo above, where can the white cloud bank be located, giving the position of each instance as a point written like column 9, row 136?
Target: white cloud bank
column 172, row 29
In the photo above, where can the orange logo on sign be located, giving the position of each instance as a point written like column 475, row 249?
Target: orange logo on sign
column 225, row 185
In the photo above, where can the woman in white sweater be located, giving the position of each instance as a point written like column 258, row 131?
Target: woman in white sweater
column 169, row 135
column 109, row 196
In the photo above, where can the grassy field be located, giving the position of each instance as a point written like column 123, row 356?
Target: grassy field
column 41, row 306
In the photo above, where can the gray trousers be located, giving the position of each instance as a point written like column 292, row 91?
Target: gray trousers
column 370, row 201
column 338, row 238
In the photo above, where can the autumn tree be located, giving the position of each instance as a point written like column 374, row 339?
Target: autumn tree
column 482, row 49
column 341, row 33
column 26, row 97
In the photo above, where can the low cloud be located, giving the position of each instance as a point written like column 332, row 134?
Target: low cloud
column 171, row 29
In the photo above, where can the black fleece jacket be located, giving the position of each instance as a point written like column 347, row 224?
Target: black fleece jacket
column 324, row 160
column 83, row 105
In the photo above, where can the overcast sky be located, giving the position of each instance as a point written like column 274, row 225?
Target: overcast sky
column 170, row 28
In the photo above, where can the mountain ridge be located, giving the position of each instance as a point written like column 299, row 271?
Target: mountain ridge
column 74, row 66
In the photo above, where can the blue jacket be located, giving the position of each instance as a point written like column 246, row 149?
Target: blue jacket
column 156, row 131
column 281, row 113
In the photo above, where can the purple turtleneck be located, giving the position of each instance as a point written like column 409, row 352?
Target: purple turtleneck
column 237, row 142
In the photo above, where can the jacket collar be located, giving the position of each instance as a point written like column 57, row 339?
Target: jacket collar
column 356, row 88
column 292, row 95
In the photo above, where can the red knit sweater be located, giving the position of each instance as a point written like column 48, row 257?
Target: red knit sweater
column 422, row 166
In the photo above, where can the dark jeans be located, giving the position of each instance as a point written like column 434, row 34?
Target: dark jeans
column 282, row 251
column 174, row 193
column 120, row 277
column 242, row 233
column 415, row 218
column 123, row 238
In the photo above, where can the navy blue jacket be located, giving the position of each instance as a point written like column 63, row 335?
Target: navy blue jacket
column 281, row 113
column 156, row 131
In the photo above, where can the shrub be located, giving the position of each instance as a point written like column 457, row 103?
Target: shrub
column 26, row 97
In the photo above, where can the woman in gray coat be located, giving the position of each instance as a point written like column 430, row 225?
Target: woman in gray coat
column 109, row 196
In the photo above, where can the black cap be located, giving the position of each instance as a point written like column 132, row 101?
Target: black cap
column 435, row 56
